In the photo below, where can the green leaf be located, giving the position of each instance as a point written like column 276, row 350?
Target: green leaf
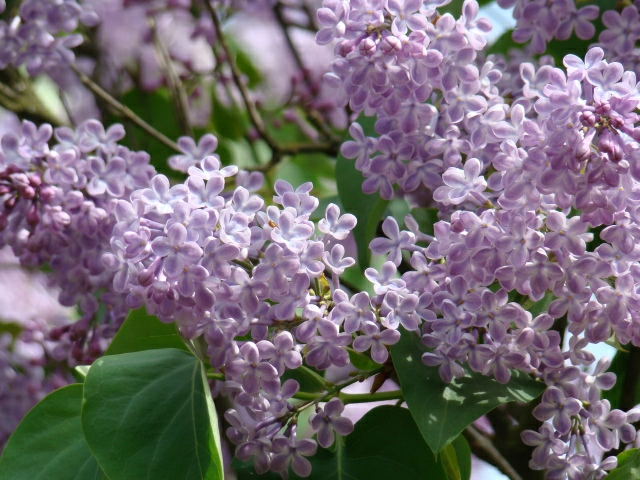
column 449, row 461
column 503, row 44
column 541, row 306
column 628, row 466
column 80, row 372
column 228, row 121
column 149, row 415
column 384, row 444
column 245, row 65
column 361, row 361
column 442, row 411
column 11, row 328
column 426, row 218
column 317, row 168
column 368, row 209
column 49, row 443
column 142, row 331
column 463, row 454
column 309, row 378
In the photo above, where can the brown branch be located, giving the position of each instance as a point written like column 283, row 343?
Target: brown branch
column 313, row 116
column 484, row 449
column 254, row 116
column 278, row 151
column 178, row 93
column 123, row 110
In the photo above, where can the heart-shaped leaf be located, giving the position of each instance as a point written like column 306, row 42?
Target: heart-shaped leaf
column 49, row 442
column 442, row 411
column 384, row 444
column 142, row 331
column 149, row 415
column 628, row 466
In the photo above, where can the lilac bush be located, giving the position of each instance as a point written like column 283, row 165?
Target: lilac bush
column 212, row 234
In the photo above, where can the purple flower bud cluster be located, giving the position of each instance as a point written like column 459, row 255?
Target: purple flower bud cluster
column 58, row 209
column 540, row 21
column 257, row 282
column 40, row 35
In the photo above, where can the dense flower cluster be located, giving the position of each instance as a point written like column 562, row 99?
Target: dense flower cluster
column 28, row 361
column 621, row 35
column 227, row 266
column 524, row 161
column 538, row 22
column 57, row 209
column 39, row 37
column 567, row 161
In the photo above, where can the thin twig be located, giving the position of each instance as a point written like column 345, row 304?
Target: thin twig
column 178, row 93
column 312, row 114
column 123, row 110
column 482, row 447
column 255, row 117
column 278, row 151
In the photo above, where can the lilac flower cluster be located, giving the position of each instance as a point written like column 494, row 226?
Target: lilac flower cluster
column 29, row 363
column 621, row 35
column 24, row 380
column 40, row 35
column 567, row 162
column 57, row 209
column 251, row 279
column 538, row 22
column 398, row 60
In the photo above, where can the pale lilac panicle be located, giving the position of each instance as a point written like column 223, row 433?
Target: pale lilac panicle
column 40, row 37
column 59, row 208
column 562, row 155
column 417, row 55
column 224, row 264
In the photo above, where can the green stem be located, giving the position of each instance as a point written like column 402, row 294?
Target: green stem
column 215, row 376
column 331, row 392
column 316, row 377
column 348, row 398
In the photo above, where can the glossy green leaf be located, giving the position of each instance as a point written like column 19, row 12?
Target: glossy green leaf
column 309, row 378
column 49, row 443
column 361, row 361
column 442, row 411
column 449, row 460
column 628, row 466
column 463, row 455
column 149, row 415
column 368, row 209
column 384, row 444
column 142, row 331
